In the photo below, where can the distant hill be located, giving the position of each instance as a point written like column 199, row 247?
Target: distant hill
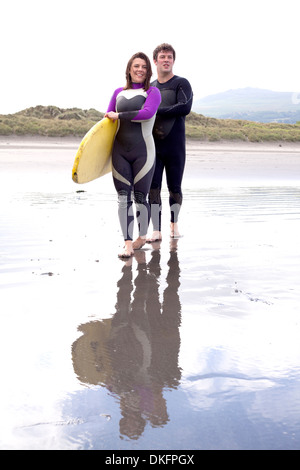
column 251, row 104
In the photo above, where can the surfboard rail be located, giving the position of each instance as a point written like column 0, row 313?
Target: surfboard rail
column 93, row 157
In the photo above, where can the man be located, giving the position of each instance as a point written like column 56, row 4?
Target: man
column 169, row 137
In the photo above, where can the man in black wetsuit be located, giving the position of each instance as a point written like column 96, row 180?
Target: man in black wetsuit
column 169, row 137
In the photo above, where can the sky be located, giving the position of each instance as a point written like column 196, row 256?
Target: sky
column 74, row 53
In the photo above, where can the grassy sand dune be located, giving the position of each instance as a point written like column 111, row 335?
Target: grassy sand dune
column 57, row 122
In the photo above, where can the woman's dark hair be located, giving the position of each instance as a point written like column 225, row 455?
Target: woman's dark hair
column 138, row 55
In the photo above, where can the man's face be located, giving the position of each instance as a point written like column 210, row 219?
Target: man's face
column 164, row 62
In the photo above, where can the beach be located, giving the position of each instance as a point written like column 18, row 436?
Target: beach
column 192, row 344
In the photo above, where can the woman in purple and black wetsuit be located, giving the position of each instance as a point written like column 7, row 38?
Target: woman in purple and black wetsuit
column 133, row 156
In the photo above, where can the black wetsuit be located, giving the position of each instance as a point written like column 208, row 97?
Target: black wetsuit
column 169, row 137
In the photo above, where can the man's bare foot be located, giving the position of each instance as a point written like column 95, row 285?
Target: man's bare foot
column 173, row 244
column 127, row 251
column 156, row 237
column 139, row 243
column 156, row 245
column 174, row 233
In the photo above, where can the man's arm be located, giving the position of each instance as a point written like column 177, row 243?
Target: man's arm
column 184, row 101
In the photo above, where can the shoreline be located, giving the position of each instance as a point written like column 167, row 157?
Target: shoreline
column 191, row 144
column 211, row 163
column 237, row 146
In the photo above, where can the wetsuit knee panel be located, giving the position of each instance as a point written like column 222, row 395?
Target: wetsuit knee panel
column 176, row 197
column 139, row 197
column 123, row 198
column 154, row 196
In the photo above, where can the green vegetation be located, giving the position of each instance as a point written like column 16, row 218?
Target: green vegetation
column 57, row 122
column 205, row 128
column 49, row 121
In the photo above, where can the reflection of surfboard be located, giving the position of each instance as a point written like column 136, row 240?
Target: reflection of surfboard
column 93, row 158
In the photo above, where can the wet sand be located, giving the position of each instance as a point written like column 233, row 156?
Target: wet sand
column 194, row 344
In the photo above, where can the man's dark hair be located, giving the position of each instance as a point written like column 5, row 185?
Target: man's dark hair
column 163, row 47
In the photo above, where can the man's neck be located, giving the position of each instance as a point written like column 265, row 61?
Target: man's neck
column 163, row 78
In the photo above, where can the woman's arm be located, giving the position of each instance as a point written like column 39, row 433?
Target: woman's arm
column 147, row 112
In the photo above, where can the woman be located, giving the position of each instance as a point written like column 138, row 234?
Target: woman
column 133, row 156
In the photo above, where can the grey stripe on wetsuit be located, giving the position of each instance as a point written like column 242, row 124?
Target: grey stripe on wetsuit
column 133, row 160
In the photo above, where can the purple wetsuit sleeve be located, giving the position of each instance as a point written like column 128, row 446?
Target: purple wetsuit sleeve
column 151, row 105
column 112, row 103
column 149, row 109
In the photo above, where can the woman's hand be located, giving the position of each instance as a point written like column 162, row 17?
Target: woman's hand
column 112, row 115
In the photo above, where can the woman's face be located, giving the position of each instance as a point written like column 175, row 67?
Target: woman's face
column 138, row 70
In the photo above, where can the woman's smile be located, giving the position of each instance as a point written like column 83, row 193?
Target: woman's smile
column 138, row 70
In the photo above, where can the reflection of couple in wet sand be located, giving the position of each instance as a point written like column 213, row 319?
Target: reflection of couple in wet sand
column 134, row 354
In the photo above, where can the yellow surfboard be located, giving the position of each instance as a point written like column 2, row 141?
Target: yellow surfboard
column 93, row 157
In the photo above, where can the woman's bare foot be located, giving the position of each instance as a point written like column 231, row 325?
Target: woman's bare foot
column 139, row 243
column 174, row 230
column 140, row 257
column 156, row 237
column 127, row 251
